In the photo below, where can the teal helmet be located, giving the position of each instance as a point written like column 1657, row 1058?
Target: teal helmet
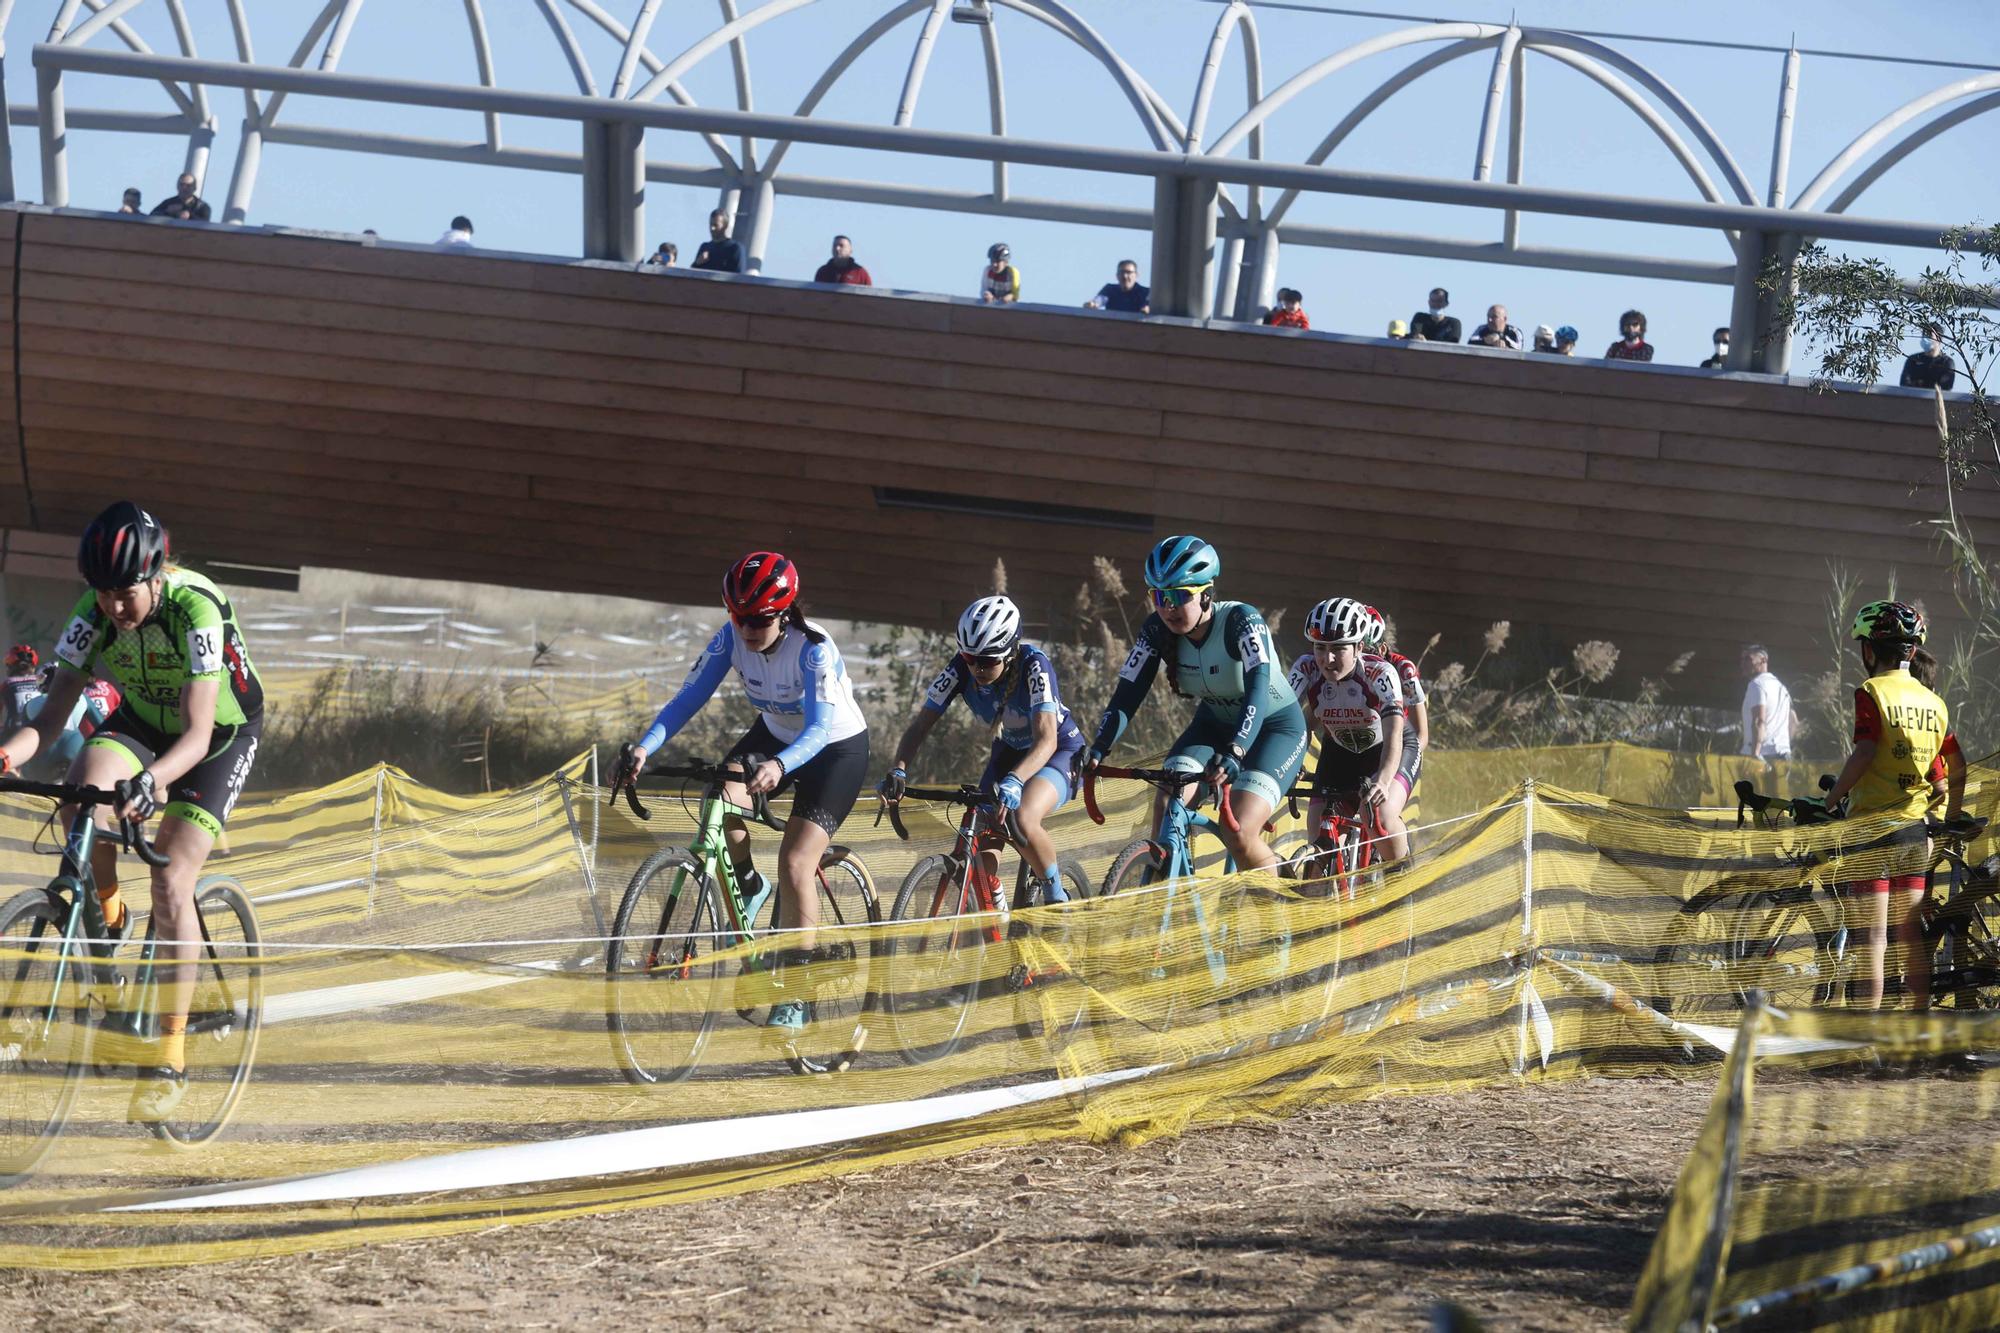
column 1183, row 562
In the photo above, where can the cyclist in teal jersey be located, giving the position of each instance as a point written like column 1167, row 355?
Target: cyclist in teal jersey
column 1247, row 727
column 180, row 743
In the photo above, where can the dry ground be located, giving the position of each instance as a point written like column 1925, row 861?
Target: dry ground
column 1533, row 1207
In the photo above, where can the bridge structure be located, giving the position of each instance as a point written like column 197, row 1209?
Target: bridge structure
column 1222, row 210
column 287, row 398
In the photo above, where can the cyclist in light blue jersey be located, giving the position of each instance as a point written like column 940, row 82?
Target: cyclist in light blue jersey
column 1247, row 727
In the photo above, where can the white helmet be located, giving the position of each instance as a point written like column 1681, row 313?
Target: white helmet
column 989, row 627
column 1338, row 620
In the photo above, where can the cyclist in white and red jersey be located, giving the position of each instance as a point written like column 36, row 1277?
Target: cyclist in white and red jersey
column 1416, row 706
column 1355, row 701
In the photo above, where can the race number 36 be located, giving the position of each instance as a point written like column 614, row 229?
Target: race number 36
column 204, row 650
column 74, row 645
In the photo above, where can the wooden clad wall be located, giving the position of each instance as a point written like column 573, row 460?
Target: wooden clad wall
column 283, row 399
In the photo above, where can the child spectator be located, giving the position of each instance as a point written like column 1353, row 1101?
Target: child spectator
column 666, row 256
column 1000, row 284
column 459, row 237
column 1545, row 339
column 1566, row 340
column 131, row 204
column 1633, row 346
column 1289, row 313
column 1398, row 329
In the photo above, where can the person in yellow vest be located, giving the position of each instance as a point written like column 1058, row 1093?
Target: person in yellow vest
column 1902, row 734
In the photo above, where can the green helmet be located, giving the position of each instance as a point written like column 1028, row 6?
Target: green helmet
column 1894, row 622
column 1182, row 562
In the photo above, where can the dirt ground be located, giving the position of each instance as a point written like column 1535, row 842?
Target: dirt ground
column 1533, row 1208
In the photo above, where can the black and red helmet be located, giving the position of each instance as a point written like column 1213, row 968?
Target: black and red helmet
column 123, row 546
column 760, row 584
column 22, row 658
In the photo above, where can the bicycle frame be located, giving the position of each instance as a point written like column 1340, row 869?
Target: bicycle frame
column 710, row 848
column 1178, row 822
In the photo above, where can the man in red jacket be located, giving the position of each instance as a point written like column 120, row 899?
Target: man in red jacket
column 842, row 268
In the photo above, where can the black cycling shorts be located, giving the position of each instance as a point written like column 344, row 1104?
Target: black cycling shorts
column 826, row 785
column 206, row 793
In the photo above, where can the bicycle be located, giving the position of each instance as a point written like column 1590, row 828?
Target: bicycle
column 685, row 905
column 1343, row 846
column 1241, row 954
column 941, row 973
column 62, row 983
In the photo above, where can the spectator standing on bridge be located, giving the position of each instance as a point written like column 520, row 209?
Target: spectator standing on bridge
column 719, row 253
column 1545, row 340
column 1767, row 709
column 1433, row 325
column 1125, row 294
column 1496, row 331
column 1721, row 357
column 1290, row 312
column 458, row 236
column 843, row 268
column 1000, row 284
column 183, row 203
column 1401, row 331
column 1931, row 368
column 666, row 256
column 1632, row 345
column 1566, row 337
column 132, row 202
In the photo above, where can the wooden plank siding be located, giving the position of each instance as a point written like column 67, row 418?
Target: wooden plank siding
column 582, row 428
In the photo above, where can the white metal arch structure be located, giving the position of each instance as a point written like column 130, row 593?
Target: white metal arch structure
column 1204, row 239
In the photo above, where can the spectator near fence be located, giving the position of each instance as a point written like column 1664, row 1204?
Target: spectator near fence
column 1545, row 340
column 183, row 203
column 1721, row 358
column 1398, row 329
column 1433, row 325
column 1566, row 337
column 1290, row 312
column 666, row 256
column 1125, row 294
column 1632, row 344
column 719, row 253
column 1767, row 709
column 458, row 236
column 131, row 203
column 1930, row 368
column 843, row 269
column 1496, row 331
column 1000, row 282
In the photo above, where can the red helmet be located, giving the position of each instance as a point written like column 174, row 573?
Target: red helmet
column 23, row 657
column 761, row 583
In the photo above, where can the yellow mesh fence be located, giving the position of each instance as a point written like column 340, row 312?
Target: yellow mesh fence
column 435, row 1035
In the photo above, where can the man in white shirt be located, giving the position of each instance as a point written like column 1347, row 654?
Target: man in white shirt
column 1767, row 709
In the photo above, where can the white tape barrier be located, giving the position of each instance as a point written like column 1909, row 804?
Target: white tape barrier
column 625, row 1152
column 366, row 995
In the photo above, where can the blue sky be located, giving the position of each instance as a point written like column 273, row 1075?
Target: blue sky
column 1578, row 137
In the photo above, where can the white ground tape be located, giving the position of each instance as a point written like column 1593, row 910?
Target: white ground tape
column 1724, row 1040
column 331, row 1000
column 625, row 1151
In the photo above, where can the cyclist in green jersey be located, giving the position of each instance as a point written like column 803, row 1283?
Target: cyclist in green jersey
column 180, row 744
column 1247, row 728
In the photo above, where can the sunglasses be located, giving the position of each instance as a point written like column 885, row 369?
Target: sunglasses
column 756, row 622
column 988, row 663
column 1173, row 598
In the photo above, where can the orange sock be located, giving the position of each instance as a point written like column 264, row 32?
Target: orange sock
column 173, row 1041
column 114, row 907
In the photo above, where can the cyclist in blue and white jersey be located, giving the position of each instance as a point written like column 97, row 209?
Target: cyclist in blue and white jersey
column 1010, row 685
column 809, row 737
column 1247, row 727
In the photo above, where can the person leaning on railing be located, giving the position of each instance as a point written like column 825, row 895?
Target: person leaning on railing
column 1901, row 731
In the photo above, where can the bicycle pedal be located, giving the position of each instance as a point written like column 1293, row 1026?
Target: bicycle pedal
column 1019, row 978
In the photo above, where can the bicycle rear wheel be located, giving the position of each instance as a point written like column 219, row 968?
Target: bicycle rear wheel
column 1134, row 946
column 663, row 990
column 842, row 977
column 1968, row 961
column 932, row 975
column 225, row 1017
column 44, row 1033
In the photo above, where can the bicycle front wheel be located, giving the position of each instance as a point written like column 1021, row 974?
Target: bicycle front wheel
column 842, row 978
column 663, row 988
column 44, row 1033
column 225, row 1017
column 933, row 973
column 1052, row 1000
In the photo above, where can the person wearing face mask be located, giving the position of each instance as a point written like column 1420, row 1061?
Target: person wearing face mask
column 809, row 736
column 1632, row 344
column 1930, row 368
column 1433, row 325
column 1721, row 357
